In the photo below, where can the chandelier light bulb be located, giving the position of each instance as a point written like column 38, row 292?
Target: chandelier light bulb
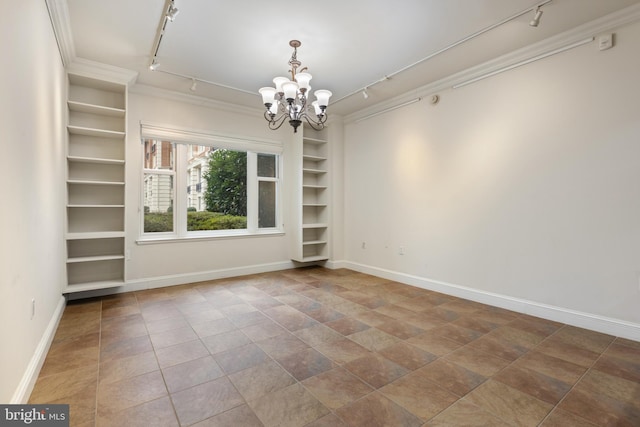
column 279, row 81
column 317, row 108
column 303, row 80
column 268, row 96
column 290, row 90
column 273, row 109
column 323, row 96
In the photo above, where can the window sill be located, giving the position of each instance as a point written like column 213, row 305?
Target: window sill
column 241, row 234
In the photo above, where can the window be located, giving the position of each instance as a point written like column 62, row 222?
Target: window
column 218, row 187
column 267, row 190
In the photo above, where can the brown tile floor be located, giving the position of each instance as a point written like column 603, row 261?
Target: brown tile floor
column 315, row 347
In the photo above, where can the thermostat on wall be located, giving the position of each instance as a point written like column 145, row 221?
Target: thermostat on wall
column 605, row 42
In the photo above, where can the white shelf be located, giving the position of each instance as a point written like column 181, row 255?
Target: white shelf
column 315, row 242
column 95, row 109
column 85, row 181
column 94, row 258
column 313, row 140
column 95, row 206
column 91, row 286
column 314, row 258
column 95, row 235
column 314, row 171
column 94, row 160
column 313, row 158
column 317, row 225
column 311, row 237
column 79, row 130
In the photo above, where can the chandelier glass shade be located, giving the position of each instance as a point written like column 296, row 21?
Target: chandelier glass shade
column 290, row 98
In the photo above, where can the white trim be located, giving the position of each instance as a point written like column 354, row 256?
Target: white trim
column 208, row 138
column 594, row 322
column 59, row 16
column 186, row 278
column 607, row 23
column 101, row 71
column 187, row 98
column 30, row 376
column 193, row 236
column 449, row 47
column 522, row 63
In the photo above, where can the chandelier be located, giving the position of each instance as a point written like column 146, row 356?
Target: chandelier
column 289, row 99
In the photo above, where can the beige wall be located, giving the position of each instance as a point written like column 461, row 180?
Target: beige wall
column 187, row 261
column 32, row 88
column 524, row 185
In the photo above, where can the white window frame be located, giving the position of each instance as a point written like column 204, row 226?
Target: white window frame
column 184, row 137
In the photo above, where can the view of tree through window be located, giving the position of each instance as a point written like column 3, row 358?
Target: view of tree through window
column 221, row 183
column 207, row 189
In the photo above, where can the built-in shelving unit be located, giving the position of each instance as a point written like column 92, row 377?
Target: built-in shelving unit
column 312, row 215
column 95, row 183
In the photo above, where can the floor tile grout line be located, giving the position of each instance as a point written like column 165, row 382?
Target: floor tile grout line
column 584, row 374
column 155, row 355
column 95, row 410
column 299, row 288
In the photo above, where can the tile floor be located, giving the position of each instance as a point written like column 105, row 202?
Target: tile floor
column 316, row 347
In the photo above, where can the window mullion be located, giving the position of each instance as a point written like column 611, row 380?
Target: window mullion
column 180, row 201
column 252, row 192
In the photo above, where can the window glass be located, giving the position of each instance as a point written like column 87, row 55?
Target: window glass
column 194, row 190
column 267, row 165
column 266, row 204
column 158, row 186
column 224, row 181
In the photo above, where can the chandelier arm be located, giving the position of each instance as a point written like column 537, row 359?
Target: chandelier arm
column 317, row 125
column 276, row 123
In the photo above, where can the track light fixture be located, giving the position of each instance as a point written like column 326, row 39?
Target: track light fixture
column 154, row 65
column 365, row 93
column 172, row 12
column 194, row 84
column 536, row 19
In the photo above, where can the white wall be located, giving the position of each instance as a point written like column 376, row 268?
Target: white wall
column 183, row 262
column 32, row 85
column 525, row 185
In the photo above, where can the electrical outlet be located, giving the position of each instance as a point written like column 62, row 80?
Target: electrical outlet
column 33, row 308
column 401, row 250
column 364, row 245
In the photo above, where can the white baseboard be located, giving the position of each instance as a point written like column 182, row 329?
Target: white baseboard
column 181, row 279
column 22, row 393
column 594, row 322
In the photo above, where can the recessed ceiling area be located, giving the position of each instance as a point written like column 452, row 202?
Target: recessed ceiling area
column 346, row 45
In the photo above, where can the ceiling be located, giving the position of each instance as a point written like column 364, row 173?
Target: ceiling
column 347, row 44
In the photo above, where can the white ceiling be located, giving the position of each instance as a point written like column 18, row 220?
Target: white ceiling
column 346, row 44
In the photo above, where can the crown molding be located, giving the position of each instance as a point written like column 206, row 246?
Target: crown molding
column 143, row 89
column 601, row 25
column 59, row 16
column 94, row 69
